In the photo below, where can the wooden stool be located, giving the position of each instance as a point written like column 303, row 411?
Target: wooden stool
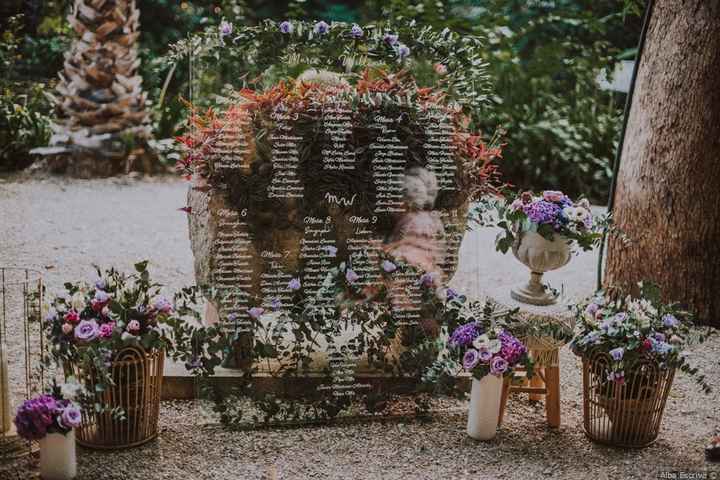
column 543, row 330
column 545, row 383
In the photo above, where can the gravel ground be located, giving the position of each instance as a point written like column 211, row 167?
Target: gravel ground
column 64, row 226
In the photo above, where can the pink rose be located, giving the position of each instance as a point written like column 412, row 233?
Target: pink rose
column 440, row 69
column 553, row 195
column 67, row 328
column 106, row 329
column 133, row 326
column 72, row 316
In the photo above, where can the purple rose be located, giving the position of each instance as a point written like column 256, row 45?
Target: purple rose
column 669, row 320
column 294, row 284
column 389, row 266
column 351, row 276
column 87, row 331
column 255, row 312
column 498, row 366
column 356, row 31
column 321, row 28
column 390, row 39
column 470, row 359
column 226, row 28
column 403, row 51
column 286, row 27
column 485, row 356
column 71, row 417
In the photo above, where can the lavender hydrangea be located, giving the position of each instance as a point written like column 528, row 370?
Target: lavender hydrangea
column 35, row 416
column 464, row 335
column 542, row 212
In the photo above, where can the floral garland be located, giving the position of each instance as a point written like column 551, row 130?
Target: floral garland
column 455, row 60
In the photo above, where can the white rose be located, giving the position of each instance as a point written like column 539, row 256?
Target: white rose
column 494, row 346
column 481, row 342
column 77, row 301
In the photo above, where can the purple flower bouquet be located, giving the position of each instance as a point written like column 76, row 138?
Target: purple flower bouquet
column 46, row 414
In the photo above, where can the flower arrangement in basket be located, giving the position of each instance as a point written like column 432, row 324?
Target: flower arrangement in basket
column 631, row 348
column 110, row 336
column 51, row 420
column 542, row 231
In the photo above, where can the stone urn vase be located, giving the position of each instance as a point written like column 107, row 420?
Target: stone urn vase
column 539, row 255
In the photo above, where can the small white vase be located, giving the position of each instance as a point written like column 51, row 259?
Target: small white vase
column 57, row 456
column 484, row 410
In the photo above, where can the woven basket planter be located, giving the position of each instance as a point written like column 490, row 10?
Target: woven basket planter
column 629, row 414
column 138, row 376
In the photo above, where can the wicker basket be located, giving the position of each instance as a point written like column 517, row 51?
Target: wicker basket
column 629, row 414
column 138, row 376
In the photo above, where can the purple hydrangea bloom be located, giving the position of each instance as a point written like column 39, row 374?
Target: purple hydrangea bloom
column 286, row 27
column 659, row 337
column 470, row 359
column 403, row 51
column 464, row 335
column 389, row 266
column 511, row 348
column 321, row 28
column 35, row 416
column 87, row 331
column 391, row 39
column 294, row 284
column 356, row 31
column 351, row 276
column 542, row 212
column 498, row 366
column 669, row 320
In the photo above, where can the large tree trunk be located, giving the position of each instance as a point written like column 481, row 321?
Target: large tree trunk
column 668, row 186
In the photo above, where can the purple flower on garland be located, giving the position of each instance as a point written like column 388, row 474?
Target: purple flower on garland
column 256, row 312
column 542, row 212
column 351, row 276
column 427, row 279
column 321, row 28
column 470, row 359
column 286, row 27
column 356, row 31
column 391, row 39
column 226, row 28
column 498, row 366
column 403, row 51
column 464, row 335
column 294, row 284
column 450, row 294
column 87, row 331
column 331, row 250
column 389, row 266
column 275, row 304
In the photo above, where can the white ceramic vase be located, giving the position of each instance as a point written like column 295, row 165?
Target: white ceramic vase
column 58, row 460
column 539, row 255
column 484, row 410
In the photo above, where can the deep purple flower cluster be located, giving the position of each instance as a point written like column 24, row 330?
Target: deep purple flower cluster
column 512, row 349
column 542, row 212
column 464, row 335
column 45, row 414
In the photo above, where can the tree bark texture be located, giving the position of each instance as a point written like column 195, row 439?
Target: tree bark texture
column 667, row 198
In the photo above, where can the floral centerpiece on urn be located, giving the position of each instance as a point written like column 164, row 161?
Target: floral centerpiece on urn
column 542, row 231
column 51, row 419
column 111, row 337
column 631, row 347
